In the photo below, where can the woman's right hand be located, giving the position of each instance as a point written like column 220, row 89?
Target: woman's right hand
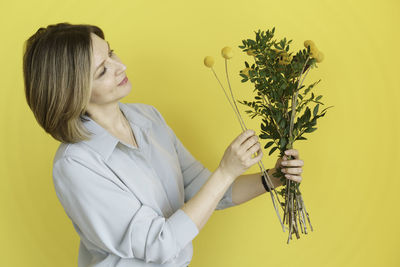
column 237, row 157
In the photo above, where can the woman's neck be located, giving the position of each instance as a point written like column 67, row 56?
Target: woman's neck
column 110, row 117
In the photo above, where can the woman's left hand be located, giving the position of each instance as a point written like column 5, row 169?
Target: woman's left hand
column 291, row 168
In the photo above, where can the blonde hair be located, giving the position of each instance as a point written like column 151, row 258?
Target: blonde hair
column 56, row 68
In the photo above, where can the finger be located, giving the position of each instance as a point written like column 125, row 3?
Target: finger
column 294, row 162
column 256, row 147
column 296, row 178
column 292, row 152
column 242, row 137
column 249, row 143
column 257, row 158
column 292, row 170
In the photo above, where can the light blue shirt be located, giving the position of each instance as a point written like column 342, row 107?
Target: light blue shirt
column 125, row 202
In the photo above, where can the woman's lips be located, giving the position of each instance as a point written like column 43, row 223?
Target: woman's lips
column 123, row 81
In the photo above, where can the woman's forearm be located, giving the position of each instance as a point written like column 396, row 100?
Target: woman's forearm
column 200, row 207
column 249, row 186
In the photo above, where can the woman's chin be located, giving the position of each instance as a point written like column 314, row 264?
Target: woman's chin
column 127, row 88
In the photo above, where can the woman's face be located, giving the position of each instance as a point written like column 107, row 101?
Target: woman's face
column 107, row 72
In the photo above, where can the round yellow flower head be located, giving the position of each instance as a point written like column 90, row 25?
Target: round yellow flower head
column 251, row 52
column 209, row 61
column 308, row 43
column 313, row 48
column 320, row 57
column 313, row 52
column 227, row 52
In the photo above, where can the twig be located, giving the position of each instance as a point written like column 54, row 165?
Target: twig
column 243, row 125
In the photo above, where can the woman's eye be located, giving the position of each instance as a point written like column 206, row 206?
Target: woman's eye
column 110, row 55
column 104, row 71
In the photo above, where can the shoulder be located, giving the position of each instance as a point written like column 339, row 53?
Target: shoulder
column 68, row 153
column 77, row 152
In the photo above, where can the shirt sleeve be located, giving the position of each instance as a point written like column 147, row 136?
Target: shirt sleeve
column 114, row 220
column 194, row 173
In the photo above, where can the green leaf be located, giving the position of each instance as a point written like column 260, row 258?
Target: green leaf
column 311, row 86
column 264, row 127
column 282, row 124
column 309, row 130
column 272, row 150
column 315, row 111
column 264, row 136
column 269, row 144
column 307, row 113
column 278, row 117
column 282, row 143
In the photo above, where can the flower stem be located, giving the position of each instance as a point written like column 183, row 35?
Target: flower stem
column 242, row 124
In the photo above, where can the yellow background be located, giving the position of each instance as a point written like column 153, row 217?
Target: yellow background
column 350, row 177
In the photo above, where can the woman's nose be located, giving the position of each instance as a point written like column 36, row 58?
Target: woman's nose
column 121, row 67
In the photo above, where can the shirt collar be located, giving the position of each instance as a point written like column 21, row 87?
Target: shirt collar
column 104, row 142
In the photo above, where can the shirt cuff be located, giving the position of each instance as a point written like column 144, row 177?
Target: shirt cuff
column 184, row 229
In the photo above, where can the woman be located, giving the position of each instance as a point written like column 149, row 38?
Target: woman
column 134, row 193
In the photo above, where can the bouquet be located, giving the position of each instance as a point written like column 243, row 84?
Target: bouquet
column 278, row 76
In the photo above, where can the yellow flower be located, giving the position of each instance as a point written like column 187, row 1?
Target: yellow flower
column 313, row 48
column 209, row 61
column 251, row 52
column 308, row 43
column 320, row 57
column 313, row 52
column 284, row 59
column 227, row 52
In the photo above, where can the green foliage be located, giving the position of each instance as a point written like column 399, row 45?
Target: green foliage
column 276, row 85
